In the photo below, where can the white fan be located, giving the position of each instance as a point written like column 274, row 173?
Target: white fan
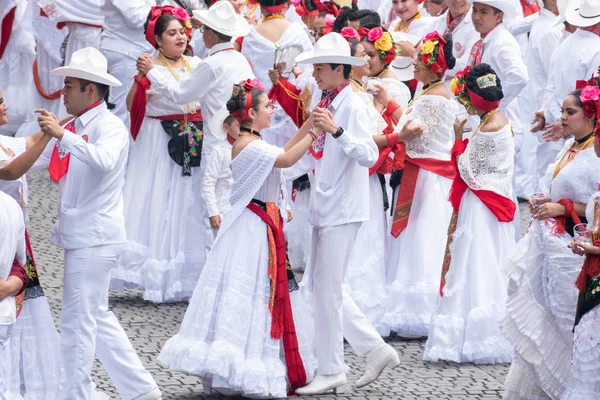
column 285, row 58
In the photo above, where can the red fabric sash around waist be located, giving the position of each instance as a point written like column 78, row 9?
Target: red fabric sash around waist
column 195, row 117
column 406, row 191
column 282, row 321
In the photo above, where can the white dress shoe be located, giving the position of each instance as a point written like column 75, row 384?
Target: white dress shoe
column 322, row 384
column 382, row 357
column 153, row 395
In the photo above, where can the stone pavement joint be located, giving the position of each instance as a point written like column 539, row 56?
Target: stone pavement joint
column 150, row 325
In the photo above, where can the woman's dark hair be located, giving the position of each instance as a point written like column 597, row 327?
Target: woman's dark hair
column 492, row 93
column 450, row 60
column 237, row 102
column 353, row 45
column 342, row 19
column 365, row 17
column 161, row 24
column 578, row 103
column 270, row 3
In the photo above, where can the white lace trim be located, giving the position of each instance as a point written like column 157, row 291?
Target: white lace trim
column 397, row 90
column 488, row 162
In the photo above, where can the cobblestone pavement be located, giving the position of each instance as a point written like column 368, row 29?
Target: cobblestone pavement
column 149, row 326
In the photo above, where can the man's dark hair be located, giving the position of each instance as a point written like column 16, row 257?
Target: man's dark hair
column 222, row 38
column 365, row 17
column 347, row 69
column 100, row 88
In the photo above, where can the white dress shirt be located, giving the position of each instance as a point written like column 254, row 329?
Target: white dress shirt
column 83, row 11
column 577, row 58
column 218, row 179
column 341, row 191
column 211, row 83
column 123, row 22
column 12, row 245
column 90, row 198
column 464, row 37
column 502, row 52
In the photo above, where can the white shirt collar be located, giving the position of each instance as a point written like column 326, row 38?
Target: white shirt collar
column 219, row 47
column 494, row 32
column 340, row 97
column 86, row 117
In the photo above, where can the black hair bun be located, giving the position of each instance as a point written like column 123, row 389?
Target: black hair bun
column 342, row 19
column 450, row 60
column 490, row 93
column 237, row 102
column 271, row 3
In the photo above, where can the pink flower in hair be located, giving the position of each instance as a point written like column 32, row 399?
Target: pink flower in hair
column 349, row 33
column 181, row 14
column 329, row 20
column 374, row 34
column 295, row 2
column 589, row 93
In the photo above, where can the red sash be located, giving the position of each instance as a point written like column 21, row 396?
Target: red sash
column 138, row 106
column 282, row 320
column 561, row 222
column 7, row 25
column 502, row 207
column 195, row 117
column 406, row 191
column 288, row 96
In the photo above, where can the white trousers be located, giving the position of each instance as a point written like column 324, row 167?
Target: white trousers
column 87, row 327
column 336, row 314
column 123, row 68
column 5, row 332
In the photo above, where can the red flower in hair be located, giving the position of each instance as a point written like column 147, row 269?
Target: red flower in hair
column 250, row 84
column 589, row 109
column 362, row 32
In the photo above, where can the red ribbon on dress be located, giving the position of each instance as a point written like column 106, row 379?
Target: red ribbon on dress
column 282, row 319
column 591, row 268
column 138, row 106
column 561, row 222
column 406, row 192
column 502, row 207
column 194, row 117
column 7, row 25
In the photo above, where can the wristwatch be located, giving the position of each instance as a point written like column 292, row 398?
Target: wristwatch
column 338, row 133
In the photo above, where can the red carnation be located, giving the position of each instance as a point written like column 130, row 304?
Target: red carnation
column 589, row 108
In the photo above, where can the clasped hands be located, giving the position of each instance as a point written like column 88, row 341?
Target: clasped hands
column 49, row 124
column 323, row 120
column 144, row 64
column 550, row 132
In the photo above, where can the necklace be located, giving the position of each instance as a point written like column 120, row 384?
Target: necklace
column 571, row 153
column 170, row 58
column 272, row 16
column 383, row 71
column 426, row 89
column 486, row 118
column 404, row 25
column 357, row 84
column 251, row 132
column 585, row 138
column 191, row 107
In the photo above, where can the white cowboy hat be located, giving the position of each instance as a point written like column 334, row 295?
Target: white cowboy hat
column 508, row 7
column 584, row 13
column 216, row 123
column 221, row 17
column 403, row 68
column 89, row 64
column 330, row 49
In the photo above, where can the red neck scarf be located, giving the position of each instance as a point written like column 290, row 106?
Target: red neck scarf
column 318, row 145
column 477, row 50
column 451, row 24
column 592, row 29
column 59, row 162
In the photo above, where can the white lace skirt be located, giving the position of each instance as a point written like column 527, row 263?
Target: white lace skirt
column 225, row 334
column 32, row 368
column 465, row 326
column 415, row 258
column 585, row 379
column 166, row 222
column 540, row 309
column 365, row 279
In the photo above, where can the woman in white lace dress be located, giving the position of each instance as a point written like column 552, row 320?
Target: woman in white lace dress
column 232, row 334
column 164, row 253
column 542, row 295
column 465, row 324
column 421, row 212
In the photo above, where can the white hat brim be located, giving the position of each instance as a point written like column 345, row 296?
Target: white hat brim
column 574, row 18
column 240, row 28
column 216, row 123
column 103, row 78
column 403, row 74
column 507, row 9
column 309, row 58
